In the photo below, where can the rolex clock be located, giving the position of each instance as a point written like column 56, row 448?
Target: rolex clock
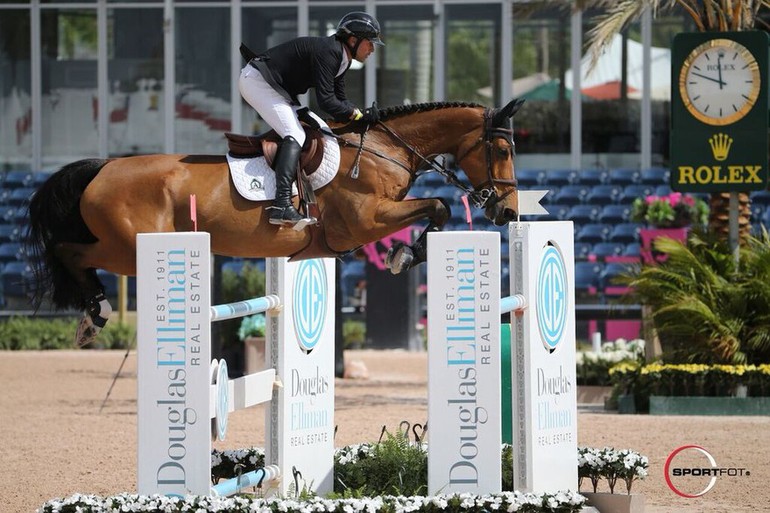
column 719, row 82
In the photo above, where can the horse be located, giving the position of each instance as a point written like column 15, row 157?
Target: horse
column 86, row 215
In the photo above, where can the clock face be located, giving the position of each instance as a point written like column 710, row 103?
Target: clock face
column 719, row 82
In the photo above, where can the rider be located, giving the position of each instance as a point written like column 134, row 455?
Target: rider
column 271, row 82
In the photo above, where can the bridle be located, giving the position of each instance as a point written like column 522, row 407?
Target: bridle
column 482, row 196
column 486, row 192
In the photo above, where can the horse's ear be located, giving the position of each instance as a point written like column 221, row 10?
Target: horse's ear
column 501, row 116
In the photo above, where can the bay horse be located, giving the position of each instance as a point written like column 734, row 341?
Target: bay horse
column 86, row 215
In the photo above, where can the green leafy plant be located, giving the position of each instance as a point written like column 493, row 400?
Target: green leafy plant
column 252, row 326
column 706, row 305
column 32, row 334
column 247, row 284
column 353, row 333
column 395, row 466
column 674, row 210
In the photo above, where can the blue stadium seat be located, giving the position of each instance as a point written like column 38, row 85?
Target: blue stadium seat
column 592, row 177
column 40, row 177
column 10, row 252
column 9, row 233
column 582, row 250
column 602, row 250
column 557, row 211
column 604, row 194
column 352, row 272
column 21, row 215
column 635, row 190
column 654, row 175
column 110, row 282
column 633, row 249
column 530, row 178
column 420, row 191
column 560, row 177
column 572, row 194
column 14, row 179
column 662, row 190
column 760, row 197
column 16, row 277
column 625, row 233
column 20, row 196
column 584, row 214
column 593, row 233
column 614, row 214
column 550, row 196
column 448, row 192
column 608, row 279
column 624, row 177
column 587, row 276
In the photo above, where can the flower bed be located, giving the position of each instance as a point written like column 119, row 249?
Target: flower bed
column 365, row 460
column 689, row 381
column 593, row 367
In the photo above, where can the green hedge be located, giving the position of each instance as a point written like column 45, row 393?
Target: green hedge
column 27, row 333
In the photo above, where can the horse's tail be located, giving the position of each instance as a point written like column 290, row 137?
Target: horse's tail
column 54, row 217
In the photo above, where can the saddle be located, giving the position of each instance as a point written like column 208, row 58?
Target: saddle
column 266, row 145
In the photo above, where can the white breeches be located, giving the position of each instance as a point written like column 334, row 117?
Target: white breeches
column 276, row 110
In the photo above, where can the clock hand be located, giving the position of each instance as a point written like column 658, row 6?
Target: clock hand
column 717, row 80
column 719, row 69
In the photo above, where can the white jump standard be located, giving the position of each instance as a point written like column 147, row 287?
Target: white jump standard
column 181, row 392
column 464, row 380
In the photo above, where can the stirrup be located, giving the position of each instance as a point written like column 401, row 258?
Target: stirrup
column 289, row 216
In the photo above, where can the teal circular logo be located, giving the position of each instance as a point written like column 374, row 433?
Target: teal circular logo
column 223, row 399
column 551, row 300
column 311, row 296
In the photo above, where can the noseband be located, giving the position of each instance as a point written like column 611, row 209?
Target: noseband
column 485, row 195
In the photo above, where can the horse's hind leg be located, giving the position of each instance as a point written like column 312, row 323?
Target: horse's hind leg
column 97, row 308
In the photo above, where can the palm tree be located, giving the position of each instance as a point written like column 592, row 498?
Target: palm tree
column 706, row 307
column 708, row 16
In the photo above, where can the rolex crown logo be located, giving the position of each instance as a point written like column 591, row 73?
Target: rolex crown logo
column 720, row 145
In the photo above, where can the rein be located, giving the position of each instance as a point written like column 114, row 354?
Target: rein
column 483, row 196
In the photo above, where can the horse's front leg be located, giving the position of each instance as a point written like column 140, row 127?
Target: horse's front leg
column 402, row 257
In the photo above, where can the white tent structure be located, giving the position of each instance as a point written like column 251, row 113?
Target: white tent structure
column 608, row 69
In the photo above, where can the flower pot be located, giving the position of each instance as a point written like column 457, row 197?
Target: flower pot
column 254, row 352
column 626, row 403
column 648, row 236
column 615, row 502
column 698, row 405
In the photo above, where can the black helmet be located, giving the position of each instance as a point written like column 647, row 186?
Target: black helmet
column 360, row 24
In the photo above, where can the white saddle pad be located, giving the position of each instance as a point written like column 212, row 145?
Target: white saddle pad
column 255, row 180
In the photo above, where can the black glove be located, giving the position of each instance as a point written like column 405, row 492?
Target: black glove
column 370, row 116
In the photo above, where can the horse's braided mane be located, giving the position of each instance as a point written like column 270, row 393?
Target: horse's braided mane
column 403, row 110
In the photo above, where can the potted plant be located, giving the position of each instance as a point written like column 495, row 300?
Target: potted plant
column 666, row 216
column 252, row 333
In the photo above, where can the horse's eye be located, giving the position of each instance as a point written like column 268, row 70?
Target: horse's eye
column 504, row 152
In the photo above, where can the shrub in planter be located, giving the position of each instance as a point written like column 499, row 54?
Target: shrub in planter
column 706, row 307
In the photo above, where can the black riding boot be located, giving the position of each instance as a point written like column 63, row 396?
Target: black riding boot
column 286, row 162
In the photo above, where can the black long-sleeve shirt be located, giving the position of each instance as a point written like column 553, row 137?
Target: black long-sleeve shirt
column 305, row 62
